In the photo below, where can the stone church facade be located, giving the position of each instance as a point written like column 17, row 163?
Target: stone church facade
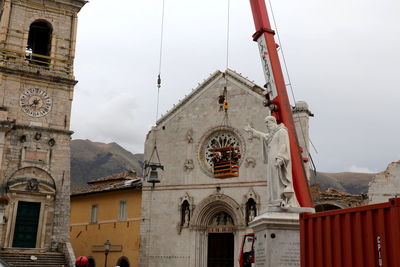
column 37, row 49
column 192, row 218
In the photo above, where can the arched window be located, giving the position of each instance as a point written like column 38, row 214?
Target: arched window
column 39, row 43
column 123, row 262
column 92, row 263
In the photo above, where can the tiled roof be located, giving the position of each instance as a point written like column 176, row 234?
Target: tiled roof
column 116, row 182
column 118, row 176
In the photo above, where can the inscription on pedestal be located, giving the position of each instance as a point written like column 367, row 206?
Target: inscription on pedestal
column 290, row 254
column 260, row 256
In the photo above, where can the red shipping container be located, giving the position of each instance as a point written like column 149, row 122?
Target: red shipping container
column 367, row 236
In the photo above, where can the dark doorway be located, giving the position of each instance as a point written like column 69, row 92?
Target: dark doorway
column 26, row 224
column 325, row 207
column 92, row 263
column 123, row 262
column 220, row 250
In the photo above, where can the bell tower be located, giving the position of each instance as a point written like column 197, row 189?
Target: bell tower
column 37, row 49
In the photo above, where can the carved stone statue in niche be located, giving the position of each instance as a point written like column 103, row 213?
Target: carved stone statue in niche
column 185, row 214
column 187, row 217
column 251, row 210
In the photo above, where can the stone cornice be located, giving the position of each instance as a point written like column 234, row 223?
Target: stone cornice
column 76, row 5
column 42, row 129
column 159, row 187
column 38, row 76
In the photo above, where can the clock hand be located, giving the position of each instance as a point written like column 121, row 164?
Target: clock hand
column 35, row 102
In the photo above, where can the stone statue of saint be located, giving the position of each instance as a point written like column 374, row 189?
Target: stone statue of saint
column 276, row 154
column 187, row 216
column 252, row 213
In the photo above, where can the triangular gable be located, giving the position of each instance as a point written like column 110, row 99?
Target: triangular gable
column 256, row 89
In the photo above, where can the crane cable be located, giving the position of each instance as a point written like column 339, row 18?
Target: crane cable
column 158, row 101
column 227, row 34
column 158, row 91
column 225, row 121
column 160, row 58
column 290, row 84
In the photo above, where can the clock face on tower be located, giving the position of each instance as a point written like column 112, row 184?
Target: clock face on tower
column 35, row 102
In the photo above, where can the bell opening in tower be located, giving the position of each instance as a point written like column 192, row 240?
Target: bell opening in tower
column 39, row 43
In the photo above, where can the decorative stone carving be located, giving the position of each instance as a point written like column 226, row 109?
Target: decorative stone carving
column 22, row 138
column 222, row 218
column 32, row 185
column 251, row 194
column 188, row 165
column 187, row 198
column 189, row 136
column 207, row 208
column 250, row 162
column 51, row 142
column 38, row 136
column 276, row 153
column 22, row 182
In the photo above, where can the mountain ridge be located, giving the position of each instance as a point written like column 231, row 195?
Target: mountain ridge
column 91, row 160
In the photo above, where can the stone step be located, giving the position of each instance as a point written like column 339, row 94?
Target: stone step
column 46, row 259
column 28, row 259
column 33, row 261
column 22, row 264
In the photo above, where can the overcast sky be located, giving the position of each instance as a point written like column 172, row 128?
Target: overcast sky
column 343, row 58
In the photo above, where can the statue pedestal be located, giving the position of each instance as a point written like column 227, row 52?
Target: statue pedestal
column 278, row 237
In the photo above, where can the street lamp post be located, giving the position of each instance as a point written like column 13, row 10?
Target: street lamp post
column 107, row 246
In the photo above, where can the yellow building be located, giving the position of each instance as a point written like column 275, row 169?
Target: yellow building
column 109, row 209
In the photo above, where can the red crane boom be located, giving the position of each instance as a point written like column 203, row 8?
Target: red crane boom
column 277, row 98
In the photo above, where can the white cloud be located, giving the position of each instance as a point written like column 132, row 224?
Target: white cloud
column 354, row 168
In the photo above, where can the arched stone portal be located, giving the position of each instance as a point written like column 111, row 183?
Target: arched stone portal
column 220, row 251
column 217, row 220
column 30, row 212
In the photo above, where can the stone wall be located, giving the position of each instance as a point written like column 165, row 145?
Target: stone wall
column 36, row 146
column 385, row 185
